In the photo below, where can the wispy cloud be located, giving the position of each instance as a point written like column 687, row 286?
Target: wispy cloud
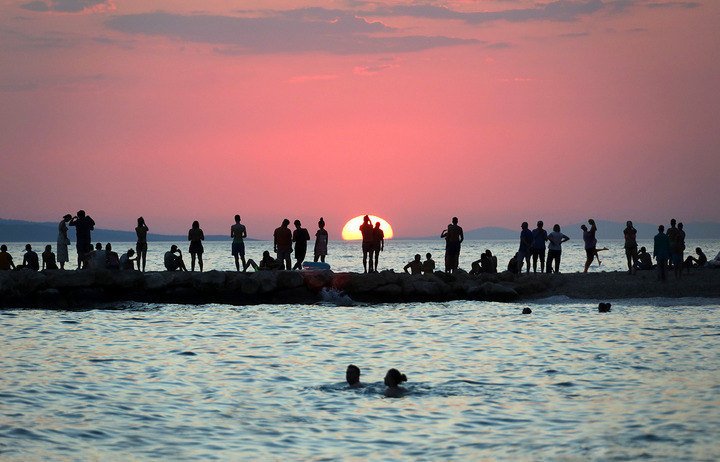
column 67, row 6
column 310, row 78
column 280, row 33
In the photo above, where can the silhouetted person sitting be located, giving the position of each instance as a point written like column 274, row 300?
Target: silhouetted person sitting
column 644, row 260
column 282, row 244
column 515, row 264
column 352, row 375
column 269, row 263
column 97, row 258
column 428, row 265
column 368, row 237
column 174, row 262
column 415, row 265
column 6, row 260
column 48, row 258
column 486, row 264
column 83, row 225
column 127, row 262
column 321, row 242
column 196, row 236
column 30, row 259
column 112, row 261
column 300, row 237
column 699, row 262
column 393, row 379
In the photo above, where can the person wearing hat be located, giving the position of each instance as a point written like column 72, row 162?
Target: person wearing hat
column 63, row 241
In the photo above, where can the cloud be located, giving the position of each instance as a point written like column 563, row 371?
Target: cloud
column 67, row 6
column 372, row 70
column 559, row 10
column 673, row 4
column 575, row 34
column 59, row 83
column 282, row 33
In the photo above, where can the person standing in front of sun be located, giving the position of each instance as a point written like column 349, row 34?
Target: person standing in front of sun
column 368, row 234
column 321, row 242
column 378, row 243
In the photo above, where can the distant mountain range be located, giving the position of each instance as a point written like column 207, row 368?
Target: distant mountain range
column 606, row 230
column 30, row 231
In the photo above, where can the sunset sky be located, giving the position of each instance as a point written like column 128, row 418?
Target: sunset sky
column 493, row 111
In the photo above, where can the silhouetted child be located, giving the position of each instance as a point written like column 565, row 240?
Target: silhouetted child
column 415, row 266
column 321, row 242
column 393, row 379
column 48, row 258
column 352, row 375
column 428, row 266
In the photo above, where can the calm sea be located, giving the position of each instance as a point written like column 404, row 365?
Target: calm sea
column 177, row 382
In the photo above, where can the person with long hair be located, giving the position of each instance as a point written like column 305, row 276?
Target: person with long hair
column 141, row 247
column 196, row 236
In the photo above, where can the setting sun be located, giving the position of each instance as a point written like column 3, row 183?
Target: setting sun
column 351, row 230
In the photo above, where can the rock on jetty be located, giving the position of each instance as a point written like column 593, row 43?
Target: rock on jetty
column 57, row 289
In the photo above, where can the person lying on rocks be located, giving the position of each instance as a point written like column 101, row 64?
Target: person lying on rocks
column 270, row 263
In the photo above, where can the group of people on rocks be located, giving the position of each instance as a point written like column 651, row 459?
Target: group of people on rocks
column 535, row 245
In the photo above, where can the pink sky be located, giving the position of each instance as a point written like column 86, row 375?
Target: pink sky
column 494, row 111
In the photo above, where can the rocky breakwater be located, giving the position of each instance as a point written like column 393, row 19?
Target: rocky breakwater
column 57, row 289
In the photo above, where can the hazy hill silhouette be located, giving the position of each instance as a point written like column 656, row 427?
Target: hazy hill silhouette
column 30, row 231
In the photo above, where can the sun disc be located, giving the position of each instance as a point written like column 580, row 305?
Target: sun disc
column 351, row 230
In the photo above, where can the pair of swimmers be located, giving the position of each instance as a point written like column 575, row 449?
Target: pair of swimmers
column 393, row 379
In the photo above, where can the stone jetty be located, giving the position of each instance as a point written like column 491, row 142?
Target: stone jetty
column 57, row 289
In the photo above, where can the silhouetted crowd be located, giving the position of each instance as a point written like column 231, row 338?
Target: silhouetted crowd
column 535, row 245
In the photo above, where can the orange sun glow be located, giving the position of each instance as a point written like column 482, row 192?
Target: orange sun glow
column 351, row 230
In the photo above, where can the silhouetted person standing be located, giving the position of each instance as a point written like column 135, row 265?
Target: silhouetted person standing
column 526, row 240
column 555, row 241
column 661, row 252
column 378, row 243
column 282, row 243
column 538, row 246
column 321, row 242
column 368, row 238
column 238, row 233
column 453, row 236
column 631, row 246
column 300, row 237
column 590, row 243
column 63, row 241
column 196, row 236
column 141, row 246
column 83, row 225
column 675, row 246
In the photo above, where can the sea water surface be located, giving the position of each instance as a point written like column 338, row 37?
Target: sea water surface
column 484, row 382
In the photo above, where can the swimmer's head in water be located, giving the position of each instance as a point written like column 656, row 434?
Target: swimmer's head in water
column 352, row 374
column 393, row 378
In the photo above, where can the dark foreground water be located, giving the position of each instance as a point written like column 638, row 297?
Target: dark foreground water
column 221, row 382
